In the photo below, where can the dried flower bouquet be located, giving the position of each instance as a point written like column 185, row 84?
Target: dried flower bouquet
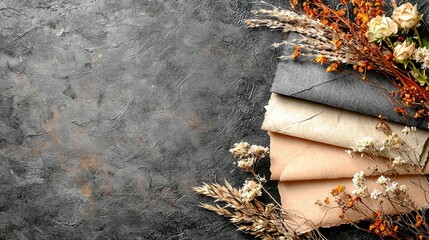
column 360, row 34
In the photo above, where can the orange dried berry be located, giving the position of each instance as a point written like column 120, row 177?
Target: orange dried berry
column 341, row 12
column 293, row 3
column 417, row 115
column 338, row 43
column 337, row 190
column 296, row 52
column 377, row 214
column 364, row 18
column 389, row 57
column 419, row 221
column 321, row 59
column 333, row 67
column 335, row 26
column 400, row 110
column 326, row 201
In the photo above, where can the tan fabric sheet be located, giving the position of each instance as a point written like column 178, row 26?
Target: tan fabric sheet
column 299, row 197
column 294, row 159
column 324, row 124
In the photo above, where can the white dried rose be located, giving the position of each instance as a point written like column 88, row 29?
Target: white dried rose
column 381, row 27
column 406, row 15
column 404, row 50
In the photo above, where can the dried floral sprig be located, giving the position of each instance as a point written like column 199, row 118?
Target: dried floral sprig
column 409, row 223
column 241, row 206
column 395, row 148
column 248, row 155
column 248, row 214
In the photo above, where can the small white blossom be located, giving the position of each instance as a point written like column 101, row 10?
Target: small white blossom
column 382, row 180
column 421, row 55
column 365, row 144
column 406, row 130
column 246, row 164
column 261, row 179
column 359, row 179
column 361, row 192
column 392, row 187
column 359, row 183
column 250, row 190
column 259, row 151
column 240, row 150
column 376, row 194
column 399, row 161
column 393, row 142
column 403, row 188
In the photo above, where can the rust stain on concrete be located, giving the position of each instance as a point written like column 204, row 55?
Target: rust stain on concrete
column 90, row 163
column 86, row 191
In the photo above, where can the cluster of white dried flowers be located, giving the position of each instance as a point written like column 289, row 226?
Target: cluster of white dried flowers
column 392, row 143
column 399, row 162
column 250, row 190
column 407, row 130
column 387, row 185
column 361, row 190
column 370, row 145
column 421, row 55
column 376, row 194
column 367, row 144
column 248, row 155
column 241, row 205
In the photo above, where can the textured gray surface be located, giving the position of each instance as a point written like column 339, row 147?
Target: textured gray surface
column 112, row 110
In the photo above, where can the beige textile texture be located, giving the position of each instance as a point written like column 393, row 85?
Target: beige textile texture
column 307, row 151
column 299, row 197
column 294, row 159
column 329, row 125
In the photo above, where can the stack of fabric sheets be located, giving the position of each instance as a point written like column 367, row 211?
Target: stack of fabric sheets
column 312, row 118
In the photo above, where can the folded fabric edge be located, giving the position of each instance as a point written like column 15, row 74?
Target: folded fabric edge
column 277, row 114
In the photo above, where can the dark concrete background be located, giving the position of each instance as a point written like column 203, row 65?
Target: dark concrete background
column 111, row 111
